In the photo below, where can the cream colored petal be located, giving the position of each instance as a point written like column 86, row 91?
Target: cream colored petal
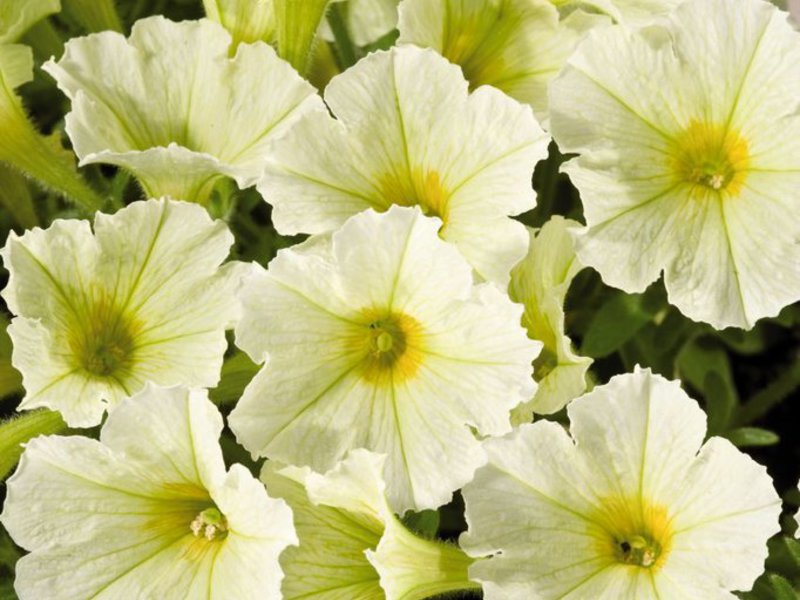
column 247, row 20
column 180, row 446
column 407, row 132
column 173, row 108
column 540, row 282
column 413, row 568
column 48, row 269
column 533, row 519
column 158, row 251
column 639, row 433
column 114, row 518
column 546, row 514
column 408, row 268
column 726, row 502
column 517, row 46
column 641, row 196
column 464, row 359
column 144, row 299
column 51, row 379
column 330, row 561
column 261, row 528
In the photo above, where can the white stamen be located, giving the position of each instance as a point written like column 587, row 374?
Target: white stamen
column 211, row 531
column 196, row 526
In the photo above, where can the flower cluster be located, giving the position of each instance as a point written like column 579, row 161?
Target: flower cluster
column 413, row 349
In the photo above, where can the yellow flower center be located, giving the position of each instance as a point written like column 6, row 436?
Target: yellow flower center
column 633, row 533
column 103, row 340
column 711, row 158
column 423, row 190
column 391, row 347
column 210, row 525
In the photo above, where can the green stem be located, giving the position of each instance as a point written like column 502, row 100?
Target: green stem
column 17, row 431
column 345, row 49
column 94, row 15
column 41, row 159
column 772, row 395
column 23, row 147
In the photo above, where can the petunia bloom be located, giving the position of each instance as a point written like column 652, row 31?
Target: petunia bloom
column 378, row 338
column 351, row 545
column 696, row 178
column 98, row 315
column 632, row 505
column 149, row 511
column 540, row 283
column 518, row 46
column 173, row 109
column 408, row 133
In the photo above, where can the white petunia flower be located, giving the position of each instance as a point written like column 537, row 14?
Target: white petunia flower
column 696, row 178
column 351, row 544
column 173, row 108
column 149, row 511
column 540, row 283
column 630, row 506
column 378, row 339
column 517, row 46
column 17, row 16
column 141, row 299
column 408, row 133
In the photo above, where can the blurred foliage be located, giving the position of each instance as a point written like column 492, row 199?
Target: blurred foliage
column 747, row 381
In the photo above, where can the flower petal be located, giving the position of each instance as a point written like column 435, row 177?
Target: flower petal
column 173, row 108
column 407, row 132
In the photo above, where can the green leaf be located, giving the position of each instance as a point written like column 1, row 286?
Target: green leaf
column 9, row 553
column 384, row 43
column 346, row 52
column 618, row 320
column 745, row 342
column 772, row 395
column 7, row 590
column 771, row 587
column 705, row 365
column 424, row 523
column 234, row 453
column 237, row 371
column 784, row 556
column 15, row 197
column 745, row 437
column 93, row 15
